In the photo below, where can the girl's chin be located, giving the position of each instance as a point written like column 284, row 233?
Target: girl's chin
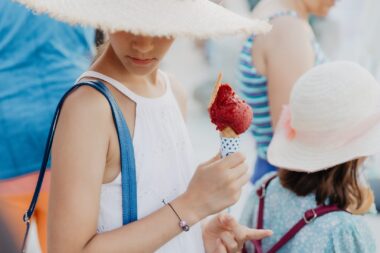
column 141, row 70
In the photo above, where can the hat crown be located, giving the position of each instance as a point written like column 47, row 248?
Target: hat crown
column 333, row 96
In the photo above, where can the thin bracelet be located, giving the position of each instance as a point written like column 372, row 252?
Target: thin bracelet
column 182, row 223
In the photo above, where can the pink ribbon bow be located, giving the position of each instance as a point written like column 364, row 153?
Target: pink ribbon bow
column 287, row 117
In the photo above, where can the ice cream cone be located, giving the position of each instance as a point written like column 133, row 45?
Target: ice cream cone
column 223, row 102
column 228, row 132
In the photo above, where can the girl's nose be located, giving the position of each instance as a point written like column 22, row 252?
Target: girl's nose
column 142, row 44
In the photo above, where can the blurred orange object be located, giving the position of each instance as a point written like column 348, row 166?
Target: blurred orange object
column 15, row 196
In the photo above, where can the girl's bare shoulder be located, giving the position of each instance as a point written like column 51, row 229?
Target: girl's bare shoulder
column 87, row 105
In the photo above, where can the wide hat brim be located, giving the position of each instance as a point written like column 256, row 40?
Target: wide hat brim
column 322, row 152
column 168, row 18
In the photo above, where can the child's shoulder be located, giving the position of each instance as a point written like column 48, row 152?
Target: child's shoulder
column 86, row 102
column 178, row 90
column 274, row 184
column 347, row 233
column 265, row 178
column 86, row 95
column 252, row 201
column 342, row 221
column 337, row 232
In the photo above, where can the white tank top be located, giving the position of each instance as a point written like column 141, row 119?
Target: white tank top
column 164, row 166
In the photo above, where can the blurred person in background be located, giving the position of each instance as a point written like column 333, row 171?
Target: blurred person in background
column 271, row 63
column 370, row 57
column 252, row 3
column 358, row 41
column 40, row 60
column 7, row 243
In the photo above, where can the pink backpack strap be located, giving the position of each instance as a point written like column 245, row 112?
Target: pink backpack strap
column 261, row 194
column 260, row 217
column 308, row 217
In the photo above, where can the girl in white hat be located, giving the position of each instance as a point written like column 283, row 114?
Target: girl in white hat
column 331, row 125
column 87, row 209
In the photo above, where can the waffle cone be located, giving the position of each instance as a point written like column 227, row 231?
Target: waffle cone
column 215, row 91
column 228, row 132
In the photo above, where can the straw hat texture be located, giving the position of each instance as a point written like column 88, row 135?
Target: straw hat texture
column 169, row 18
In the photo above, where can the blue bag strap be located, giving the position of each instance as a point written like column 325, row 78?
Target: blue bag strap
column 127, row 157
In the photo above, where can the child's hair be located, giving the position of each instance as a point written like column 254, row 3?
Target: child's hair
column 337, row 185
column 101, row 42
column 99, row 37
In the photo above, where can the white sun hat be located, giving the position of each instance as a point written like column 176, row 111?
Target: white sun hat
column 168, row 18
column 333, row 117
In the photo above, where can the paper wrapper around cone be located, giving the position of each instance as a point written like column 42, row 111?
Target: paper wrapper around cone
column 229, row 142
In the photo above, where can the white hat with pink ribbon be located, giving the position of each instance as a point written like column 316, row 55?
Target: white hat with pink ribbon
column 333, row 117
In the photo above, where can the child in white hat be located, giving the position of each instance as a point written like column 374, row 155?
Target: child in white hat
column 87, row 210
column 331, row 125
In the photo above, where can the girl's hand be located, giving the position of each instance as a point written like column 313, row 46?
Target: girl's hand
column 222, row 234
column 216, row 185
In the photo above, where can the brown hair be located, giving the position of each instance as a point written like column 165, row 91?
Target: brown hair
column 337, row 185
column 101, row 42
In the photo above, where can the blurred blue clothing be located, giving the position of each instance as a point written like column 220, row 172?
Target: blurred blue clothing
column 261, row 167
column 40, row 58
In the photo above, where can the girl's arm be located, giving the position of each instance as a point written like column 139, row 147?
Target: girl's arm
column 79, row 161
column 288, row 53
column 219, row 233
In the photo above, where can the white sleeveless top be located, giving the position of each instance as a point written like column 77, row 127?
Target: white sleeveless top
column 164, row 166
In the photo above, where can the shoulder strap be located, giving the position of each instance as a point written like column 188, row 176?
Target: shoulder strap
column 309, row 216
column 261, row 194
column 261, row 191
column 128, row 171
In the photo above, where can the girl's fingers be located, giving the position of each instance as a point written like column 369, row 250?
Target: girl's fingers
column 238, row 171
column 220, row 248
column 212, row 160
column 233, row 226
column 257, row 234
column 241, row 233
column 242, row 180
column 232, row 161
column 229, row 242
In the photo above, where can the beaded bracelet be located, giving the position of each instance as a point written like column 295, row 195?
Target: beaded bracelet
column 182, row 223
